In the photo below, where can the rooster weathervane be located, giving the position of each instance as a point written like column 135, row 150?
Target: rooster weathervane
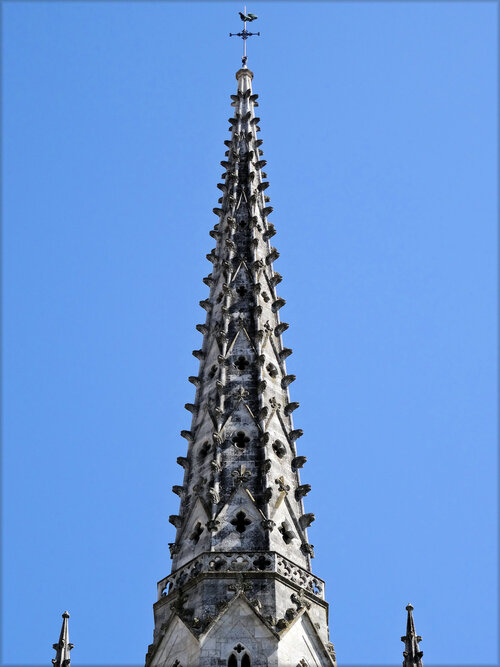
column 245, row 34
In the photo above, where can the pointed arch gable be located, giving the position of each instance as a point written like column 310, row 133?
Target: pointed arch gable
column 238, row 621
column 239, row 499
column 301, row 639
column 244, row 339
column 197, row 513
column 243, row 408
column 242, row 267
column 177, row 643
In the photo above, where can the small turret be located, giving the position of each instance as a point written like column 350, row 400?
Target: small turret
column 412, row 653
column 63, row 647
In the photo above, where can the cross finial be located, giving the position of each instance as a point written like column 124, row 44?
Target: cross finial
column 244, row 34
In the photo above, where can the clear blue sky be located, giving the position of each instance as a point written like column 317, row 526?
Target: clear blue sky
column 379, row 127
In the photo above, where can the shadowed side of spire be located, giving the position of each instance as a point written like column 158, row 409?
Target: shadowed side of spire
column 63, row 647
column 412, row 653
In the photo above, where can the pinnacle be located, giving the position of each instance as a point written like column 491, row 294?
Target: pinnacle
column 63, row 646
column 412, row 653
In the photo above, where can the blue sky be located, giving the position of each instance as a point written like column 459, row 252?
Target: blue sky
column 379, row 127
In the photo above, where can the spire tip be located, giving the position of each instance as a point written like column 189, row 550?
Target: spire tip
column 245, row 34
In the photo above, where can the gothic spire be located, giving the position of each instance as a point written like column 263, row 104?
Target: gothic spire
column 63, row 647
column 412, row 653
column 242, row 442
column 241, row 591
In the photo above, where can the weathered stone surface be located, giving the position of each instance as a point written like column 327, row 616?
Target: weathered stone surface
column 241, row 581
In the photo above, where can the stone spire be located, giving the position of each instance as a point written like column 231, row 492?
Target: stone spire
column 412, row 653
column 63, row 647
column 241, row 582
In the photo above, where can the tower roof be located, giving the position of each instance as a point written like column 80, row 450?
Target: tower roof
column 412, row 653
column 241, row 580
column 63, row 646
column 241, row 469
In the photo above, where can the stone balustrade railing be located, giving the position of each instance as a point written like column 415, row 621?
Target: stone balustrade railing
column 244, row 561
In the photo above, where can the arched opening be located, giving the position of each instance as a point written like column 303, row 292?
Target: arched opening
column 232, row 662
column 245, row 661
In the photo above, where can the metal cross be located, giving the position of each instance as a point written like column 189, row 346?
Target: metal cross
column 244, row 34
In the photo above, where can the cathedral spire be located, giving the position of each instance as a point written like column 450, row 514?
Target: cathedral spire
column 242, row 441
column 63, row 647
column 241, row 590
column 412, row 653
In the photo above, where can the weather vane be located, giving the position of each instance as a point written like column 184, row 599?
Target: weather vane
column 244, row 34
